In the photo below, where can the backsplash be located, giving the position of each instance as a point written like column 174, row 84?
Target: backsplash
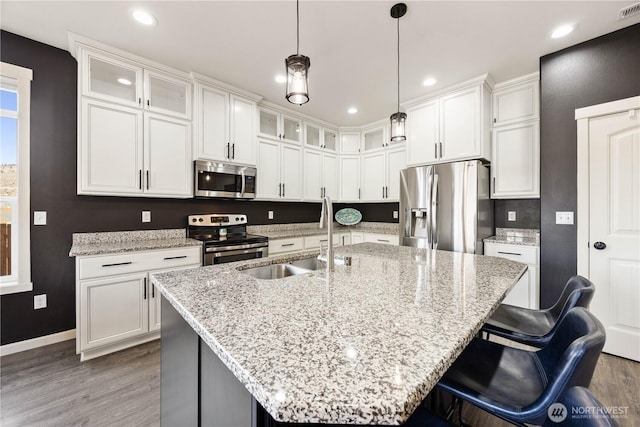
column 527, row 213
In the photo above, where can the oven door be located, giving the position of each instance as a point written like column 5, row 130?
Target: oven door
column 222, row 180
column 221, row 255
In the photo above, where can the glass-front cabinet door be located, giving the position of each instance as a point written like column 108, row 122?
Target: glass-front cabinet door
column 269, row 123
column 374, row 139
column 109, row 79
column 312, row 136
column 168, row 95
column 330, row 139
column 291, row 129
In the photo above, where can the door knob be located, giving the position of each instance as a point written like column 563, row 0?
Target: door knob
column 599, row 245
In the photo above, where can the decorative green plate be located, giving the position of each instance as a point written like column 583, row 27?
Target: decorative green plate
column 348, row 216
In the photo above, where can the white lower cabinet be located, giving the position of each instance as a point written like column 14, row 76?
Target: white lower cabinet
column 526, row 292
column 387, row 239
column 281, row 246
column 116, row 304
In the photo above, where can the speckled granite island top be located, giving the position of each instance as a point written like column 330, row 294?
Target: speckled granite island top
column 361, row 345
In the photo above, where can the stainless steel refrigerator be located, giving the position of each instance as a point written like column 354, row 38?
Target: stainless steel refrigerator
column 446, row 206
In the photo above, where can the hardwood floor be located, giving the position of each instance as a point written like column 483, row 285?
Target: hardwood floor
column 49, row 386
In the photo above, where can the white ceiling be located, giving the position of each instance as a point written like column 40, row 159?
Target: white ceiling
column 352, row 44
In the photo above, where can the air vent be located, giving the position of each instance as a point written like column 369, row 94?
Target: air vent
column 629, row 11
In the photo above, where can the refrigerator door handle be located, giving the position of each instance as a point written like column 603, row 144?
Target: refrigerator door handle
column 434, row 212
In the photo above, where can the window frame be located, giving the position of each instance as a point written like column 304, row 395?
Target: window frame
column 19, row 79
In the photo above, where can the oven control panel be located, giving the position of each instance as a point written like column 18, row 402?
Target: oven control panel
column 217, row 220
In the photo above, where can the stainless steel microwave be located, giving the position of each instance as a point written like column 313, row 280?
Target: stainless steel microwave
column 223, row 180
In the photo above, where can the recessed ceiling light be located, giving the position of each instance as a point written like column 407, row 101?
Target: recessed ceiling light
column 144, row 17
column 562, row 31
column 352, row 110
column 281, row 79
column 430, row 81
column 124, row 81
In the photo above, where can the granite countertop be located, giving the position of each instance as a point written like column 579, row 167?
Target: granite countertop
column 361, row 345
column 283, row 231
column 128, row 241
column 516, row 236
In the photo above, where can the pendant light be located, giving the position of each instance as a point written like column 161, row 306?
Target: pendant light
column 297, row 70
column 398, row 119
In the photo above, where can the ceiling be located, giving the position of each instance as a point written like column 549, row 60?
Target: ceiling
column 352, row 44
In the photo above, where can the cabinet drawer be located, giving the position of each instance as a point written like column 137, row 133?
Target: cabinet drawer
column 133, row 262
column 286, row 245
column 313, row 242
column 388, row 239
column 525, row 254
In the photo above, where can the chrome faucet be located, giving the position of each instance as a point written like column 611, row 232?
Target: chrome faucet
column 326, row 217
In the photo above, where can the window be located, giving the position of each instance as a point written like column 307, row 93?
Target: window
column 15, row 250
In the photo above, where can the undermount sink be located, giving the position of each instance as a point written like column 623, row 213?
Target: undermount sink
column 308, row 263
column 275, row 271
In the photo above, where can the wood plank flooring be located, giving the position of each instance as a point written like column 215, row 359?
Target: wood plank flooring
column 49, row 386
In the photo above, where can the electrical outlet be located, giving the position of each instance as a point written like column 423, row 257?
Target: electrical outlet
column 270, row 214
column 39, row 217
column 564, row 218
column 511, row 215
column 39, row 301
column 146, row 216
column 395, row 214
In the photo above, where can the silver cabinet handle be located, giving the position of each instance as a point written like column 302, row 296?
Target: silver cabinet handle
column 287, row 244
column 153, row 291
column 233, row 151
column 383, row 192
column 510, row 253
column 283, row 191
column 140, row 179
column 174, row 257
column 383, row 240
column 441, row 150
column 145, row 289
column 280, row 190
column 117, row 264
column 435, row 152
column 147, row 179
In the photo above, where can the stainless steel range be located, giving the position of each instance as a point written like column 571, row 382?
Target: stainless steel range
column 225, row 238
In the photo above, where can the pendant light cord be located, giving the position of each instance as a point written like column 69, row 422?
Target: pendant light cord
column 298, row 28
column 398, row 20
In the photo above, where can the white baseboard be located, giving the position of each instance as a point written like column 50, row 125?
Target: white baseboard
column 19, row 346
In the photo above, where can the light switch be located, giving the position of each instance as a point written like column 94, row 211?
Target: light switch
column 146, row 216
column 565, row 218
column 511, row 215
column 39, row 217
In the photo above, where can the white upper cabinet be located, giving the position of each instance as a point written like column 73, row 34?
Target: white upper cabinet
column 320, row 175
column 126, row 82
column 279, row 171
column 375, row 139
column 135, row 135
column 225, row 124
column 316, row 136
column 280, row 126
column 515, row 170
column 516, row 101
column 380, row 179
column 454, row 126
column 350, row 142
column 350, row 178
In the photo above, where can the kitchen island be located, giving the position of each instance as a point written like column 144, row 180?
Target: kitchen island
column 361, row 345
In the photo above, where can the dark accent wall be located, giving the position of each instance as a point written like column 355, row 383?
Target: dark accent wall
column 600, row 70
column 53, row 189
column 527, row 213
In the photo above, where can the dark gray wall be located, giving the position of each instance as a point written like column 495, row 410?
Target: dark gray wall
column 53, row 189
column 527, row 213
column 600, row 70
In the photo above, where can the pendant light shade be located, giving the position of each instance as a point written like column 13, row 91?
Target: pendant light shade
column 297, row 83
column 297, row 70
column 398, row 119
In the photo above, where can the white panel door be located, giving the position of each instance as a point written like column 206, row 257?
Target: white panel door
column 115, row 308
column 373, row 176
column 291, row 172
column 614, row 212
column 213, row 120
column 167, row 153
column 423, row 134
column 312, row 175
column 330, row 176
column 460, row 124
column 111, row 149
column 243, row 131
column 396, row 160
column 268, row 181
column 349, row 177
